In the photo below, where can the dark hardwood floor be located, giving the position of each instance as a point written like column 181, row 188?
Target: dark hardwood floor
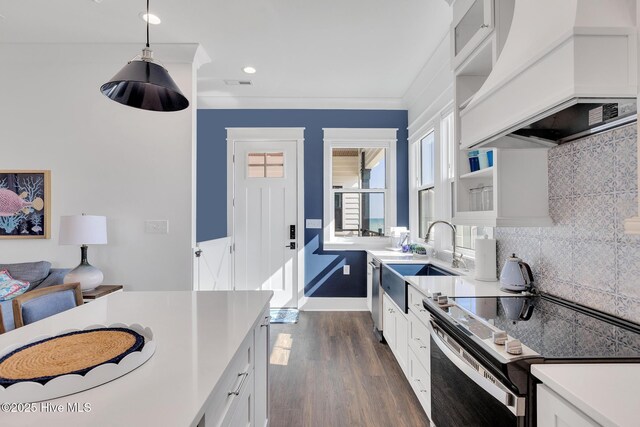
column 329, row 370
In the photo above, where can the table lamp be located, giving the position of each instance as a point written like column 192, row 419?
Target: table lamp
column 83, row 230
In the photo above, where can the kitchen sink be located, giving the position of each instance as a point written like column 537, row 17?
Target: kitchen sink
column 419, row 270
column 394, row 285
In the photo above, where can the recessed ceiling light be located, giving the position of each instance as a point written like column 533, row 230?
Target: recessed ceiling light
column 151, row 18
column 249, row 70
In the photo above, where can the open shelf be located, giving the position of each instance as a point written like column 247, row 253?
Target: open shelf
column 482, row 173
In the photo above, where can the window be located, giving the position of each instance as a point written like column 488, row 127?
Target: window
column 265, row 165
column 426, row 184
column 360, row 193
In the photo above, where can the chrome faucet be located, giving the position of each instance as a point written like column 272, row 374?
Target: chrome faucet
column 455, row 263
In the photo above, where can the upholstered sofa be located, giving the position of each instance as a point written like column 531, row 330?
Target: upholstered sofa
column 39, row 275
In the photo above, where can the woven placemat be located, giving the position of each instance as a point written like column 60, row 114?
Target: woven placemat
column 71, row 353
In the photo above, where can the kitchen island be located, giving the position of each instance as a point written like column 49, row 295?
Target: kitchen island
column 208, row 345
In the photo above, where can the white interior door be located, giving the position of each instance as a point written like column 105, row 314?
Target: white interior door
column 265, row 209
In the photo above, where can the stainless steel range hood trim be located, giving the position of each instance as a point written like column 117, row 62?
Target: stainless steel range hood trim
column 621, row 121
column 526, row 122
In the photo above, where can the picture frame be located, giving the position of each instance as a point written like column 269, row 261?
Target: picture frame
column 25, row 204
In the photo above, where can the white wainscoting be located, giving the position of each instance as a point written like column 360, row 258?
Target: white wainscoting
column 213, row 267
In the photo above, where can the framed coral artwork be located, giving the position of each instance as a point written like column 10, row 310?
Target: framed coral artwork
column 25, row 204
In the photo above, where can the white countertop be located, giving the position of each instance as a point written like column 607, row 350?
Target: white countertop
column 608, row 393
column 453, row 286
column 197, row 335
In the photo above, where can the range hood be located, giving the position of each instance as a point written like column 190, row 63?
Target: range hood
column 568, row 68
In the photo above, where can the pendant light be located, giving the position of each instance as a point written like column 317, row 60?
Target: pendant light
column 144, row 83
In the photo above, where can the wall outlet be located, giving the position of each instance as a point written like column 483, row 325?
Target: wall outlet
column 314, row 224
column 346, row 270
column 156, row 226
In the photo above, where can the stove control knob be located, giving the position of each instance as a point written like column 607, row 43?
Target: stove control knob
column 499, row 337
column 435, row 295
column 514, row 347
column 442, row 300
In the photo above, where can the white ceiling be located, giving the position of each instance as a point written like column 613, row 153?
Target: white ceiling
column 301, row 48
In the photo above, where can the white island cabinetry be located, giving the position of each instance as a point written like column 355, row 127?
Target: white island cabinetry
column 209, row 369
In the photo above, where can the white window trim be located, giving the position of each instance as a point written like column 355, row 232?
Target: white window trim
column 358, row 138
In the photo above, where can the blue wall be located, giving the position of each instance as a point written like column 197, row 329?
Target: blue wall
column 323, row 269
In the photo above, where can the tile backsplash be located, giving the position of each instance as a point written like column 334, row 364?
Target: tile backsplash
column 586, row 257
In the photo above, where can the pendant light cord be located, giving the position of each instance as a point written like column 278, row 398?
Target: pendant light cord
column 147, row 23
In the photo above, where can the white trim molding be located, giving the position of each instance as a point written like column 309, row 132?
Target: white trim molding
column 333, row 304
column 359, row 138
column 209, row 101
column 270, row 135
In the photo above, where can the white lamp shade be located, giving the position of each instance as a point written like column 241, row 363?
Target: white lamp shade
column 83, row 230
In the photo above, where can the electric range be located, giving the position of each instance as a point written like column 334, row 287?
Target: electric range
column 482, row 349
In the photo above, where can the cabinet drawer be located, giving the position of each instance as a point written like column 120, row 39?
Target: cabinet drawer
column 419, row 340
column 233, row 382
column 415, row 298
column 420, row 381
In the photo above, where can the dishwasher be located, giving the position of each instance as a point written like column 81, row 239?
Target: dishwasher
column 376, row 298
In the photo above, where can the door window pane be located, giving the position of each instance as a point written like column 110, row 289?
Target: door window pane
column 427, row 159
column 265, row 165
column 359, row 214
column 358, row 168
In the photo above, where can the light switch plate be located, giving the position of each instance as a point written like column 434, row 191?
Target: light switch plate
column 314, row 224
column 156, row 226
column 346, row 270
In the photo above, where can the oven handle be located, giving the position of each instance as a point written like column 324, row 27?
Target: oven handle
column 514, row 403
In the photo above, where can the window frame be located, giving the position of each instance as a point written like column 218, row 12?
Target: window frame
column 359, row 138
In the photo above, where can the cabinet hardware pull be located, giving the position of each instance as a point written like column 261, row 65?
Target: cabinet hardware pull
column 420, row 382
column 266, row 322
column 244, row 376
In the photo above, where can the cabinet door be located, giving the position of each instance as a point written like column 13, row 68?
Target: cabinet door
column 261, row 370
column 402, row 343
column 555, row 411
column 243, row 414
column 388, row 323
column 420, row 381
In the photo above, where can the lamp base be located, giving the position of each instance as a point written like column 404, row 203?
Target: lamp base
column 88, row 276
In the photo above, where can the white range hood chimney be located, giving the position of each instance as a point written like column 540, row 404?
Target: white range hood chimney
column 558, row 54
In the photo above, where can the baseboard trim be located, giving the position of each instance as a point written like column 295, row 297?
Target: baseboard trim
column 333, row 304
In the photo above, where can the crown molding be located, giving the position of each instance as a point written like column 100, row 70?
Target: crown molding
column 246, row 102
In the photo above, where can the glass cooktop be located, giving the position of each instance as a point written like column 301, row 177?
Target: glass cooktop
column 548, row 327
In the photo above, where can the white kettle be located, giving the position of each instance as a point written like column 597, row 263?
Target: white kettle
column 516, row 275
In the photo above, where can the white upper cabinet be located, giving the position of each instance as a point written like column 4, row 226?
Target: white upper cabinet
column 543, row 57
column 472, row 23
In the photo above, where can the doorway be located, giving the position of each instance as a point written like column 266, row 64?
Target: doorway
column 265, row 203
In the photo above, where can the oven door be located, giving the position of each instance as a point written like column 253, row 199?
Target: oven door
column 464, row 393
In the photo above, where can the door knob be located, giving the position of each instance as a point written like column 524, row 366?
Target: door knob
column 291, row 245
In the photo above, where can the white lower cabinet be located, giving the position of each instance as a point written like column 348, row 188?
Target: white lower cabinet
column 554, row 411
column 261, row 370
column 409, row 340
column 420, row 381
column 241, row 397
column 394, row 329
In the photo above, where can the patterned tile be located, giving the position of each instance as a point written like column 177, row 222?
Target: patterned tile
column 628, row 268
column 595, row 218
column 627, row 308
column 562, row 212
column 593, row 169
column 596, row 298
column 595, row 265
column 626, row 206
column 626, row 159
column 586, row 257
column 560, row 176
column 556, row 259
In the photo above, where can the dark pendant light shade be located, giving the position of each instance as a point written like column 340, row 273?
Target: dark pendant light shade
column 146, row 85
